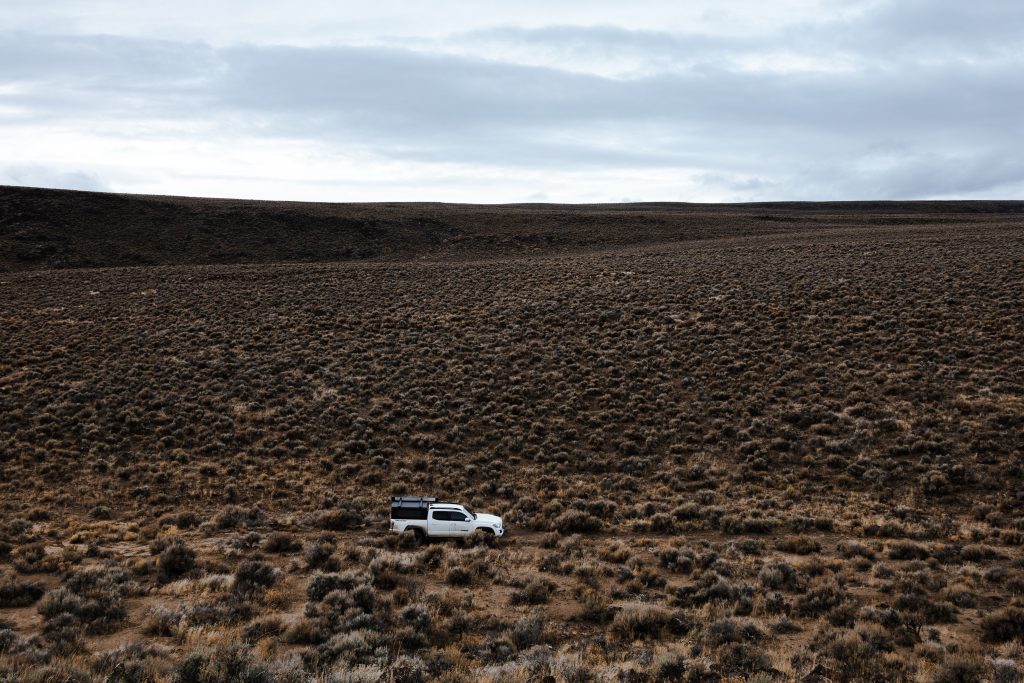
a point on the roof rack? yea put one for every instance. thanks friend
(411, 501)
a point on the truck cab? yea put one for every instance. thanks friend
(449, 521)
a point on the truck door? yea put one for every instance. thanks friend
(460, 524)
(439, 524)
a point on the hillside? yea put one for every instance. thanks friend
(774, 443)
(63, 229)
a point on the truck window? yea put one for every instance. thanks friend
(441, 515)
(408, 513)
(459, 517)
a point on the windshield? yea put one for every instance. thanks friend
(471, 513)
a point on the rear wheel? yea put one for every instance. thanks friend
(418, 536)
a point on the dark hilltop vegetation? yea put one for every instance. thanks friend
(777, 442)
(45, 229)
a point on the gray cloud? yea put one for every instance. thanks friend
(938, 30)
(930, 174)
(631, 49)
(34, 175)
(926, 101)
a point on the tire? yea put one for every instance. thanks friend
(418, 536)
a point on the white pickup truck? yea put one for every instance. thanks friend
(430, 518)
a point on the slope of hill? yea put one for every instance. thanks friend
(64, 229)
(770, 443)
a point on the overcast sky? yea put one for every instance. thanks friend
(488, 101)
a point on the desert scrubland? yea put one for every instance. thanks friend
(756, 442)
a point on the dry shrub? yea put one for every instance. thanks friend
(637, 621)
(724, 631)
(15, 593)
(162, 621)
(1004, 625)
(780, 576)
(680, 560)
(33, 559)
(229, 663)
(907, 550)
(535, 592)
(255, 575)
(961, 669)
(233, 517)
(264, 628)
(669, 666)
(596, 607)
(176, 560)
(979, 553)
(61, 609)
(820, 599)
(320, 584)
(798, 545)
(577, 522)
(458, 576)
(341, 519)
(849, 658)
(527, 631)
(321, 556)
(282, 542)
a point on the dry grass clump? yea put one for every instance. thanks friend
(175, 560)
(907, 550)
(638, 621)
(340, 519)
(65, 614)
(820, 598)
(677, 560)
(253, 576)
(280, 542)
(33, 559)
(162, 621)
(222, 664)
(320, 555)
(1004, 625)
(320, 584)
(960, 668)
(855, 656)
(458, 576)
(536, 591)
(89, 603)
(233, 517)
(781, 576)
(18, 593)
(798, 545)
(577, 522)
